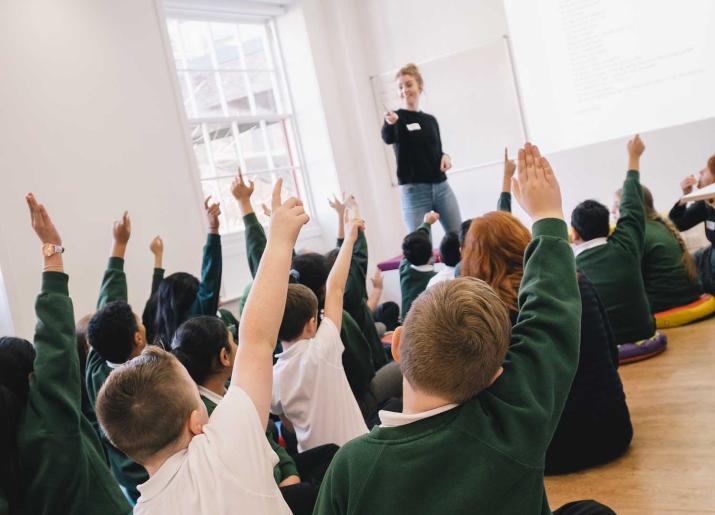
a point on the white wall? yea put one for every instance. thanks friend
(355, 39)
(91, 126)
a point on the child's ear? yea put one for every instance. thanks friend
(139, 341)
(224, 358)
(575, 236)
(196, 423)
(395, 348)
(499, 372)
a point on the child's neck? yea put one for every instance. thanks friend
(216, 384)
(307, 334)
(414, 401)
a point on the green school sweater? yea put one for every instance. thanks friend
(665, 277)
(358, 354)
(156, 277)
(355, 300)
(413, 282)
(615, 269)
(504, 202)
(62, 458)
(487, 454)
(129, 474)
(286, 466)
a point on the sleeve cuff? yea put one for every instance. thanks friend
(550, 227)
(213, 239)
(160, 271)
(116, 263)
(633, 174)
(55, 282)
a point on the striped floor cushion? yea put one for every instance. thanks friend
(701, 308)
(644, 349)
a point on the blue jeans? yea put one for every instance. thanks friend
(422, 197)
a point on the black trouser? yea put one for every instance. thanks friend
(705, 263)
(584, 508)
(312, 465)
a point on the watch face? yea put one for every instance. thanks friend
(48, 249)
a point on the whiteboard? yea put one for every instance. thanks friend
(474, 97)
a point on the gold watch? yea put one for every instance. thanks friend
(50, 249)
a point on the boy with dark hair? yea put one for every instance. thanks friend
(449, 255)
(312, 269)
(481, 400)
(310, 389)
(613, 263)
(416, 268)
(151, 408)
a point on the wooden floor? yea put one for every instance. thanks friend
(670, 467)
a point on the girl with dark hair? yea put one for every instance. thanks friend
(206, 348)
(181, 296)
(670, 276)
(52, 459)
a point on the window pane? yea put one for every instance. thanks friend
(254, 50)
(279, 148)
(232, 220)
(201, 94)
(235, 88)
(201, 152)
(262, 87)
(264, 188)
(195, 41)
(252, 147)
(226, 44)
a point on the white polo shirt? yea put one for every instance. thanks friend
(227, 469)
(311, 390)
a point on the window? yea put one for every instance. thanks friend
(238, 110)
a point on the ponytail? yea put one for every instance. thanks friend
(197, 345)
(17, 357)
(652, 214)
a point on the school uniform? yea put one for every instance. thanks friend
(62, 460)
(357, 358)
(687, 216)
(487, 454)
(127, 472)
(613, 265)
(446, 274)
(414, 278)
(310, 389)
(665, 277)
(226, 469)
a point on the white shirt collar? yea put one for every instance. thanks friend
(394, 419)
(423, 268)
(590, 244)
(212, 396)
(113, 365)
(159, 481)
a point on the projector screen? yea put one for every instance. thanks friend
(595, 70)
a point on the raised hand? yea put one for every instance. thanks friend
(287, 218)
(377, 280)
(122, 229)
(431, 217)
(688, 184)
(445, 163)
(213, 211)
(353, 227)
(266, 209)
(339, 205)
(536, 188)
(391, 117)
(242, 192)
(157, 248)
(509, 169)
(635, 151)
(41, 222)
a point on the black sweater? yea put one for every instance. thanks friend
(684, 217)
(418, 147)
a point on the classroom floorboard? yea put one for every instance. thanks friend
(670, 467)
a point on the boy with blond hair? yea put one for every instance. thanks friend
(481, 400)
(150, 408)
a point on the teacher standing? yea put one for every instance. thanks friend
(421, 163)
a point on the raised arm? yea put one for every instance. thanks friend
(211, 264)
(56, 375)
(504, 202)
(335, 285)
(157, 249)
(254, 233)
(114, 282)
(262, 315)
(543, 354)
(339, 206)
(377, 285)
(630, 228)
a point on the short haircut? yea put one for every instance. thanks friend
(590, 219)
(417, 248)
(142, 407)
(313, 272)
(449, 249)
(454, 339)
(111, 331)
(197, 345)
(301, 306)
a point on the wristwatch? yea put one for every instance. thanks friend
(50, 249)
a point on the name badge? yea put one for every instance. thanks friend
(710, 225)
(413, 127)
